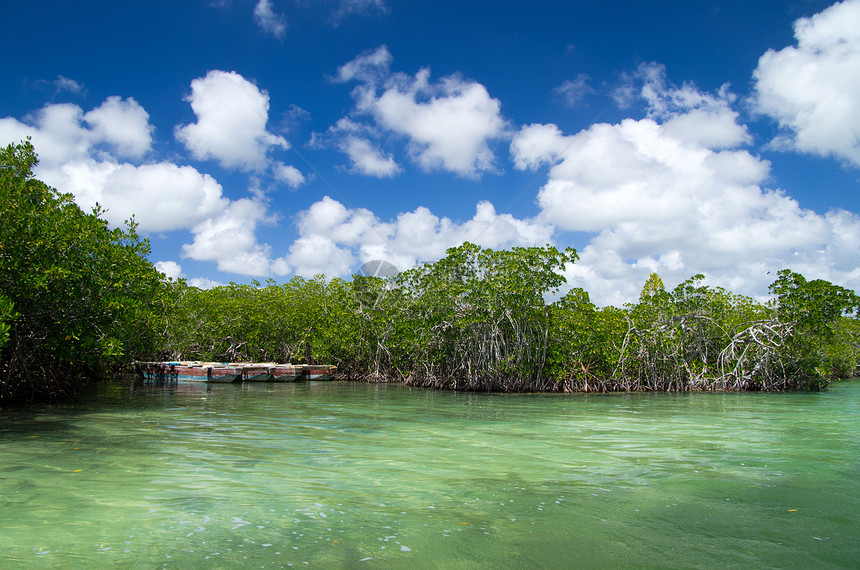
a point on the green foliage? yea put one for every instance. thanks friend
(824, 322)
(480, 319)
(477, 318)
(674, 337)
(585, 342)
(84, 295)
(815, 306)
(697, 337)
(302, 321)
(77, 298)
(7, 318)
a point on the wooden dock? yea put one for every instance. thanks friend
(233, 372)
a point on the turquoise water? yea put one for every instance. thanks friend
(347, 475)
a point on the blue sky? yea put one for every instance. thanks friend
(257, 139)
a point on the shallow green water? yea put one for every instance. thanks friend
(355, 475)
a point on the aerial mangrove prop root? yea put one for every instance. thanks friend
(755, 358)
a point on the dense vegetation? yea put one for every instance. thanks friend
(479, 320)
(78, 299)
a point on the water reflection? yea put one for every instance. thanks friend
(351, 475)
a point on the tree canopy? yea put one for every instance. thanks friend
(76, 296)
(480, 319)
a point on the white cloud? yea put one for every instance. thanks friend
(330, 218)
(269, 21)
(161, 196)
(448, 124)
(538, 144)
(315, 254)
(368, 159)
(813, 89)
(77, 149)
(450, 130)
(355, 140)
(673, 194)
(349, 7)
(346, 237)
(711, 129)
(59, 134)
(652, 175)
(65, 84)
(122, 123)
(55, 131)
(231, 122)
(625, 94)
(371, 66)
(290, 175)
(230, 240)
(690, 115)
(204, 283)
(171, 269)
(574, 91)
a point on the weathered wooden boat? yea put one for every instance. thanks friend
(256, 372)
(229, 372)
(224, 374)
(285, 373)
(154, 370)
(189, 371)
(317, 371)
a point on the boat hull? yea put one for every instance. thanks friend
(192, 373)
(285, 373)
(317, 371)
(189, 372)
(228, 373)
(256, 372)
(225, 374)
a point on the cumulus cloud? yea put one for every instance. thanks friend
(289, 175)
(268, 20)
(650, 176)
(448, 124)
(327, 230)
(370, 66)
(231, 122)
(538, 144)
(59, 135)
(673, 193)
(162, 196)
(368, 159)
(690, 115)
(230, 240)
(346, 237)
(813, 89)
(79, 154)
(355, 140)
(204, 283)
(122, 123)
(56, 132)
(171, 269)
(314, 255)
